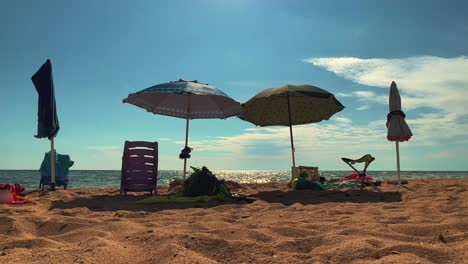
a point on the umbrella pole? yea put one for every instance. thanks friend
(398, 162)
(292, 146)
(291, 136)
(186, 135)
(186, 143)
(52, 165)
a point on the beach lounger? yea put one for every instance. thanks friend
(362, 179)
(139, 167)
(62, 167)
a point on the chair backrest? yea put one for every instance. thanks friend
(62, 165)
(139, 165)
(368, 159)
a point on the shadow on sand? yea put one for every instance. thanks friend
(114, 202)
(327, 196)
(109, 202)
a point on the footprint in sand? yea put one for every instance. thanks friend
(291, 232)
(217, 249)
(50, 228)
(375, 243)
(82, 236)
(7, 225)
(242, 235)
(415, 230)
(40, 242)
(300, 245)
(339, 212)
(425, 252)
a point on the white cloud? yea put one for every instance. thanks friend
(343, 120)
(438, 83)
(449, 153)
(104, 148)
(323, 143)
(363, 107)
(426, 81)
(369, 96)
(343, 94)
(260, 84)
(109, 151)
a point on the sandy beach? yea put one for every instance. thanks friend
(426, 222)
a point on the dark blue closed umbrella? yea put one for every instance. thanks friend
(48, 123)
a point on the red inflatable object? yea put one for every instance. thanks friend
(9, 193)
(355, 176)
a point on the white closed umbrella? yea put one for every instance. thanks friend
(398, 130)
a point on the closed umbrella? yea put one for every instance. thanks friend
(290, 105)
(398, 130)
(188, 100)
(48, 123)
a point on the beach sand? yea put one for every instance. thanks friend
(426, 222)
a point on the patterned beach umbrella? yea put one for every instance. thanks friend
(188, 100)
(290, 105)
(398, 130)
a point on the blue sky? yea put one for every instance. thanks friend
(103, 50)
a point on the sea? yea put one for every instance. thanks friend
(111, 178)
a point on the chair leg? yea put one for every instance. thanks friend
(375, 187)
(362, 184)
(348, 193)
(41, 183)
(378, 189)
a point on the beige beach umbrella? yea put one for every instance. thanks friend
(290, 105)
(188, 100)
(398, 130)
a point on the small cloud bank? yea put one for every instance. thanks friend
(440, 84)
(323, 142)
(425, 81)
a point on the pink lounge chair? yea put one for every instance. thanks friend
(139, 167)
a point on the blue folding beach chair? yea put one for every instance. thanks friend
(62, 166)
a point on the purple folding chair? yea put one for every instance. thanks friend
(139, 167)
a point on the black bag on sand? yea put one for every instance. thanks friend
(201, 182)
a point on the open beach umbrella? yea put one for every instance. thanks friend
(188, 100)
(290, 105)
(398, 130)
(48, 123)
